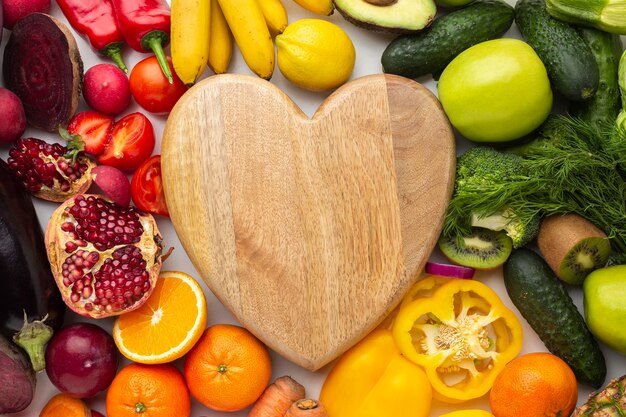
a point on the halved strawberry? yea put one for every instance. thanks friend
(89, 131)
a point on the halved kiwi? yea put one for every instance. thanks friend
(572, 246)
(483, 249)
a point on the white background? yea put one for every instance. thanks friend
(369, 47)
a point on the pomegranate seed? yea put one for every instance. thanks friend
(70, 247)
(87, 291)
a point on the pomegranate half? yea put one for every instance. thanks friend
(105, 258)
(47, 171)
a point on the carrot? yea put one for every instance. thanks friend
(277, 398)
(306, 408)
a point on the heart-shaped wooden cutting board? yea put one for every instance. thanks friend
(308, 230)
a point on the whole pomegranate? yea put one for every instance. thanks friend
(105, 258)
(47, 171)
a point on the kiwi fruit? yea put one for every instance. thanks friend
(572, 246)
(483, 249)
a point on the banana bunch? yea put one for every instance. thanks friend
(202, 32)
(199, 37)
(324, 7)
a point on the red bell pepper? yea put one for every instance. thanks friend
(95, 19)
(145, 25)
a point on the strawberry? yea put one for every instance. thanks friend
(88, 131)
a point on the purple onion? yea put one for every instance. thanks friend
(451, 271)
(81, 360)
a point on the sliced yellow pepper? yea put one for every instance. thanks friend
(462, 336)
(468, 413)
(373, 379)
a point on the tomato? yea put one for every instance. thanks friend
(496, 91)
(146, 187)
(150, 88)
(132, 142)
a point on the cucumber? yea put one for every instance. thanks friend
(571, 66)
(605, 105)
(432, 49)
(545, 304)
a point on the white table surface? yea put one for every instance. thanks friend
(369, 47)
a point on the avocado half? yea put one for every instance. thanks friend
(395, 16)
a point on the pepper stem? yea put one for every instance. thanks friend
(154, 41)
(114, 51)
(32, 338)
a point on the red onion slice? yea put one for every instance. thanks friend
(447, 270)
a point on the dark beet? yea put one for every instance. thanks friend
(18, 378)
(42, 66)
(81, 360)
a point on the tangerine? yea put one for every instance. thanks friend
(228, 369)
(534, 385)
(149, 391)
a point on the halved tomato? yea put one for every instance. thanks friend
(132, 142)
(146, 187)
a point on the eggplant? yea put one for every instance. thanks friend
(31, 307)
(18, 387)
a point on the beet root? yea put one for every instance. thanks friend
(43, 67)
(18, 387)
(13, 121)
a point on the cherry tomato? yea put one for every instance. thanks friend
(132, 142)
(151, 90)
(146, 187)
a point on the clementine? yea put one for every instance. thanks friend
(228, 369)
(534, 385)
(62, 405)
(149, 391)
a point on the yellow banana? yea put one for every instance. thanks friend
(250, 31)
(190, 38)
(324, 7)
(221, 41)
(275, 15)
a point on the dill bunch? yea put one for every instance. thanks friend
(572, 166)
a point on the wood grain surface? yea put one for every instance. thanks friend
(308, 230)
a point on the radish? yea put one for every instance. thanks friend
(113, 183)
(106, 89)
(14, 10)
(13, 120)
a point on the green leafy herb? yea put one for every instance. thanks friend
(573, 166)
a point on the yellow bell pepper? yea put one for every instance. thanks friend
(468, 413)
(462, 336)
(373, 379)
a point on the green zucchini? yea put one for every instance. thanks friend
(605, 15)
(546, 305)
(571, 66)
(432, 49)
(605, 105)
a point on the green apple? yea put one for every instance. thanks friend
(496, 91)
(604, 302)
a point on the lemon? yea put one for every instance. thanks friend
(315, 54)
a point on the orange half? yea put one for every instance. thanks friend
(168, 325)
